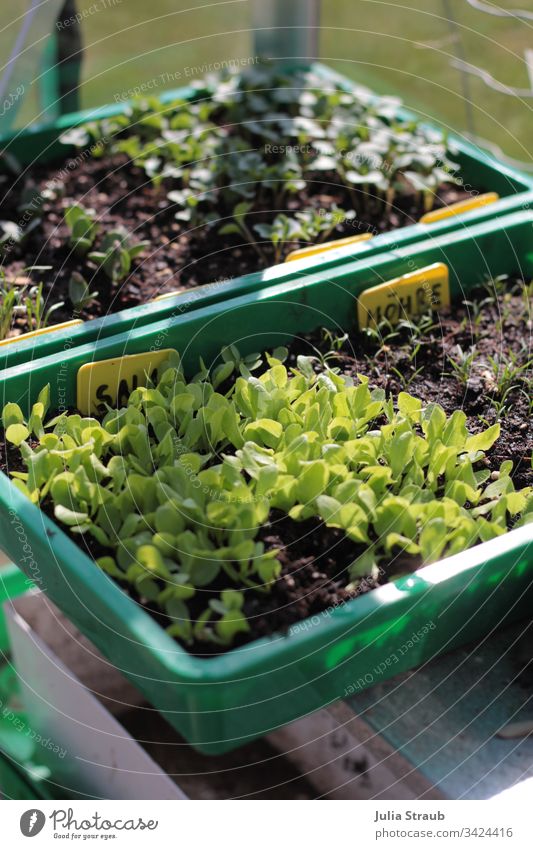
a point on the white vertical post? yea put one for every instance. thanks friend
(286, 29)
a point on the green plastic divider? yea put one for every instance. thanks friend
(16, 748)
(15, 783)
(219, 703)
(477, 167)
(13, 583)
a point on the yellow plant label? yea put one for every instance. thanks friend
(66, 325)
(460, 206)
(405, 297)
(168, 295)
(312, 250)
(112, 381)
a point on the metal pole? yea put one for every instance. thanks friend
(69, 58)
(286, 29)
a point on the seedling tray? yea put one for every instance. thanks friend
(478, 169)
(219, 703)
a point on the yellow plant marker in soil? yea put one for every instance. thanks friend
(170, 295)
(405, 297)
(460, 206)
(112, 381)
(66, 325)
(312, 250)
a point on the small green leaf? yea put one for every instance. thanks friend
(433, 540)
(69, 517)
(230, 625)
(44, 399)
(177, 609)
(230, 229)
(483, 441)
(328, 508)
(17, 433)
(108, 564)
(151, 559)
(433, 421)
(312, 482)
(409, 406)
(265, 432)
(12, 414)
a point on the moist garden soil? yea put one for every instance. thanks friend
(314, 558)
(121, 195)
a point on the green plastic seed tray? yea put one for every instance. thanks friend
(15, 782)
(13, 583)
(219, 703)
(477, 168)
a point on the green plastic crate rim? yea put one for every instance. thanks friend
(220, 703)
(17, 783)
(15, 779)
(41, 144)
(13, 583)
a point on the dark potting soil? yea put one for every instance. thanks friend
(177, 259)
(314, 558)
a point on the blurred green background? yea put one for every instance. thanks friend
(409, 49)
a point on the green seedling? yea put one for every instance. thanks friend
(383, 335)
(233, 361)
(462, 364)
(19, 299)
(508, 372)
(79, 292)
(9, 300)
(281, 232)
(308, 227)
(82, 228)
(116, 254)
(38, 314)
(495, 288)
(407, 378)
(239, 227)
